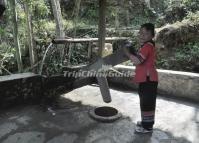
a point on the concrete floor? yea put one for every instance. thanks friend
(176, 121)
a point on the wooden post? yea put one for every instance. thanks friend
(70, 53)
(102, 26)
(89, 51)
(127, 18)
(117, 23)
(102, 81)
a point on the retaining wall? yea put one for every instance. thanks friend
(171, 83)
(18, 88)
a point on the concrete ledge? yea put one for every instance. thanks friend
(171, 83)
(16, 76)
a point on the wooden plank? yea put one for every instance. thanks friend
(81, 40)
(89, 51)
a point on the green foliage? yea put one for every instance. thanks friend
(193, 17)
(90, 13)
(162, 63)
(40, 8)
(192, 5)
(86, 26)
(185, 58)
(56, 58)
(160, 5)
(7, 60)
(188, 53)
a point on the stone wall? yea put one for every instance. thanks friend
(30, 88)
(19, 88)
(171, 83)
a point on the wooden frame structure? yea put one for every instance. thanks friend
(101, 32)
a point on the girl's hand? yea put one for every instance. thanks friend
(135, 60)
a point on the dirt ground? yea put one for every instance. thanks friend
(176, 121)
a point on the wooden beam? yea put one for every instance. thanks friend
(102, 26)
(81, 40)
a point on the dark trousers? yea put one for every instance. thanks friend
(147, 94)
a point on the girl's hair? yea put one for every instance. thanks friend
(149, 27)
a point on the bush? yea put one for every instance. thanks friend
(185, 58)
(193, 17)
(7, 60)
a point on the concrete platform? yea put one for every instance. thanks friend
(176, 121)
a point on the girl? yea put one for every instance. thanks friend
(146, 76)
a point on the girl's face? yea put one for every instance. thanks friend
(144, 35)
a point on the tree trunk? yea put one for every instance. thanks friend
(58, 18)
(117, 23)
(148, 2)
(127, 18)
(102, 26)
(59, 25)
(15, 33)
(29, 32)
